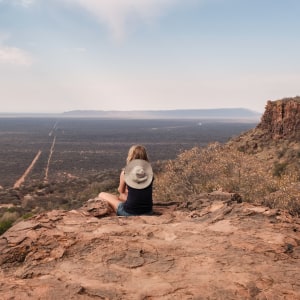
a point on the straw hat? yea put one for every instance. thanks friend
(138, 174)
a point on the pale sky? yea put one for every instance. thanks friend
(62, 55)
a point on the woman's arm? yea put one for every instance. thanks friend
(122, 189)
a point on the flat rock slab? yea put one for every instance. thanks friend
(223, 250)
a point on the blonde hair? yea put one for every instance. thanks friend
(137, 152)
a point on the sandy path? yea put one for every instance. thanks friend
(49, 158)
(23, 177)
(53, 129)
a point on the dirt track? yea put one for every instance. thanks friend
(49, 158)
(23, 177)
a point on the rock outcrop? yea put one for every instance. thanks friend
(281, 119)
(276, 139)
(210, 247)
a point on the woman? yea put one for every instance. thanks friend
(135, 187)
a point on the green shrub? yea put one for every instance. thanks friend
(5, 225)
(27, 216)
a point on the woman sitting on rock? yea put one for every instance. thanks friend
(135, 187)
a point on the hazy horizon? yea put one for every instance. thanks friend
(125, 55)
(205, 110)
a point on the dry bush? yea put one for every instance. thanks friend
(9, 216)
(287, 197)
(220, 167)
(7, 220)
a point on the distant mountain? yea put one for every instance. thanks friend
(220, 113)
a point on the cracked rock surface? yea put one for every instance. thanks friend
(212, 247)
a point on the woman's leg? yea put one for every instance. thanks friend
(111, 199)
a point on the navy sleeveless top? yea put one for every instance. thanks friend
(139, 201)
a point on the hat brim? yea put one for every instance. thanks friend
(147, 169)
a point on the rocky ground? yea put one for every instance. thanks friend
(211, 247)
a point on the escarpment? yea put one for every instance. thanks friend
(277, 136)
(281, 119)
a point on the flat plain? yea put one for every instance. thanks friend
(80, 147)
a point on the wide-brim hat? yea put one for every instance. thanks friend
(138, 174)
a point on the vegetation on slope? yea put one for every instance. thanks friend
(224, 167)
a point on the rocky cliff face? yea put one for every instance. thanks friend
(282, 119)
(277, 137)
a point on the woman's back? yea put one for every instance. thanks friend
(139, 201)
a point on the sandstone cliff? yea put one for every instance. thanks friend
(211, 247)
(276, 139)
(282, 119)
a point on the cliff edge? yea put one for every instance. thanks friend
(213, 247)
